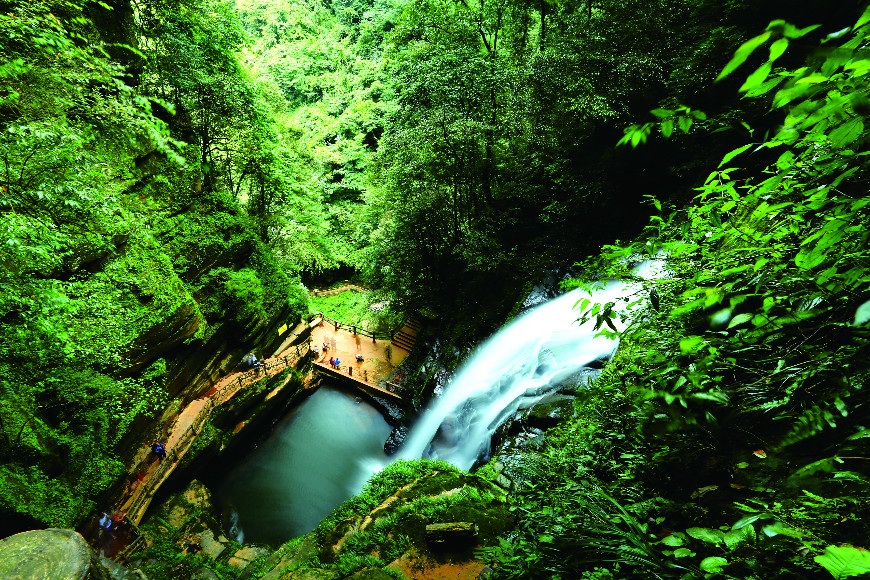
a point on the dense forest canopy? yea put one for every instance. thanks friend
(174, 170)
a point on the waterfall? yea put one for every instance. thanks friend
(515, 367)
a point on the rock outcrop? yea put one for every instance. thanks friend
(52, 554)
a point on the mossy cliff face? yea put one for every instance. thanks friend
(116, 325)
(379, 534)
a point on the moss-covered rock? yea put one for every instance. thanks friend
(51, 554)
(383, 529)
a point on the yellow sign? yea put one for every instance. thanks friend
(282, 330)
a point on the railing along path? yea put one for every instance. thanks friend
(145, 491)
(354, 329)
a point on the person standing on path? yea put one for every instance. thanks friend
(106, 522)
(332, 342)
(159, 450)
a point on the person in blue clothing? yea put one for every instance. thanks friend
(106, 522)
(159, 450)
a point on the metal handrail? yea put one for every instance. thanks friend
(390, 335)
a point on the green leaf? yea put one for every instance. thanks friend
(673, 540)
(683, 553)
(713, 564)
(742, 53)
(691, 344)
(860, 434)
(742, 522)
(708, 535)
(684, 123)
(864, 19)
(844, 561)
(779, 528)
(811, 80)
(847, 133)
(777, 48)
(756, 78)
(662, 113)
(740, 319)
(732, 154)
(667, 127)
(735, 538)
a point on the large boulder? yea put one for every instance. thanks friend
(51, 554)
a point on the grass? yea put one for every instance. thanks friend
(354, 308)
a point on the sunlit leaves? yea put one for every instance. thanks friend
(845, 561)
(742, 53)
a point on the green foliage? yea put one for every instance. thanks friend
(109, 224)
(356, 308)
(845, 561)
(167, 560)
(382, 485)
(740, 386)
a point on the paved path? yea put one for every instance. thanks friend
(376, 367)
(178, 438)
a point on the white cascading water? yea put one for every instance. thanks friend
(516, 367)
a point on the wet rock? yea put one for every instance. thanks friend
(246, 555)
(578, 381)
(188, 518)
(503, 481)
(536, 442)
(311, 574)
(213, 543)
(287, 559)
(204, 573)
(550, 412)
(394, 441)
(51, 554)
(195, 499)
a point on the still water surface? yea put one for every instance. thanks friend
(321, 454)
